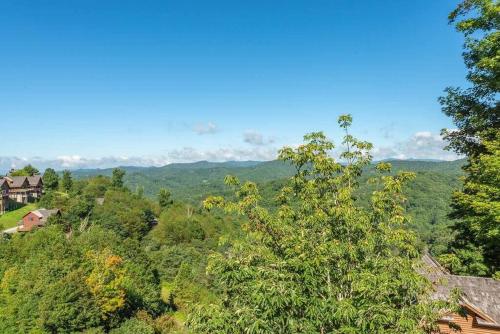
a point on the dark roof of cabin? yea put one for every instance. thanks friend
(479, 292)
(16, 181)
(34, 180)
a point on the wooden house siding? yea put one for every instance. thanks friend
(468, 325)
(36, 218)
(4, 196)
(30, 221)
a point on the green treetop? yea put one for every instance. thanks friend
(475, 111)
(320, 262)
(164, 199)
(117, 178)
(27, 170)
(67, 181)
(50, 179)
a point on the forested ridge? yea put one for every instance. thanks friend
(194, 181)
(429, 195)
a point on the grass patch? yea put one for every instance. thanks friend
(10, 218)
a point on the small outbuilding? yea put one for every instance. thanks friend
(36, 218)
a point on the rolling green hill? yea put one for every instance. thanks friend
(192, 181)
(428, 195)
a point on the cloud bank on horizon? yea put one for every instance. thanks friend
(421, 145)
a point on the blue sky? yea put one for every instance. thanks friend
(94, 83)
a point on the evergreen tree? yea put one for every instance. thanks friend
(67, 181)
(320, 263)
(50, 179)
(117, 178)
(475, 111)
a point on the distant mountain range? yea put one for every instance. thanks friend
(190, 181)
(6, 163)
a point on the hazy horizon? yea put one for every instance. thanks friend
(107, 164)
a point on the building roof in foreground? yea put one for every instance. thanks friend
(478, 293)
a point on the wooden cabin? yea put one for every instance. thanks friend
(24, 189)
(480, 300)
(36, 218)
(18, 188)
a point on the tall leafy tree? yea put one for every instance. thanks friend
(320, 262)
(124, 213)
(50, 179)
(67, 180)
(117, 177)
(105, 282)
(475, 111)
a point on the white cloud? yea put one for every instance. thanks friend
(69, 161)
(253, 137)
(189, 154)
(186, 154)
(76, 162)
(205, 129)
(422, 145)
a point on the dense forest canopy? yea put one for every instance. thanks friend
(429, 194)
(194, 181)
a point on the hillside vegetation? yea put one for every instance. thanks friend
(135, 263)
(428, 195)
(193, 181)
